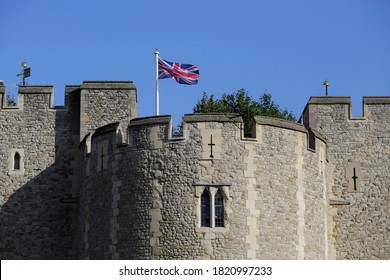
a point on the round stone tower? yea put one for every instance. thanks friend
(210, 194)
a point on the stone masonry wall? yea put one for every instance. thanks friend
(130, 190)
(100, 103)
(33, 222)
(39, 201)
(360, 145)
(106, 102)
(273, 187)
(96, 201)
(290, 193)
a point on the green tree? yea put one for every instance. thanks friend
(11, 100)
(241, 103)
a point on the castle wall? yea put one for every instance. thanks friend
(34, 224)
(105, 102)
(273, 187)
(95, 201)
(39, 198)
(358, 153)
(130, 190)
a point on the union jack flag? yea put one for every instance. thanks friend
(182, 73)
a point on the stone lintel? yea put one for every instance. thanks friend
(338, 202)
(212, 185)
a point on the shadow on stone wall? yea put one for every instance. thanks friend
(34, 224)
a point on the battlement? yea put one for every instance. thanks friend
(343, 104)
(331, 109)
(347, 100)
(34, 91)
(156, 132)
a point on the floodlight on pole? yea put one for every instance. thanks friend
(26, 72)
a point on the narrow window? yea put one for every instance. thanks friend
(205, 209)
(17, 161)
(219, 209)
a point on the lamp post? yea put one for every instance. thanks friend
(26, 72)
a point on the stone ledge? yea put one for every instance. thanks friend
(165, 119)
(376, 99)
(108, 85)
(318, 135)
(280, 123)
(213, 117)
(106, 129)
(329, 100)
(38, 89)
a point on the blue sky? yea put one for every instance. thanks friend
(287, 48)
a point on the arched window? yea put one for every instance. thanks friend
(17, 161)
(219, 209)
(205, 209)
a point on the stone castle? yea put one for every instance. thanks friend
(90, 180)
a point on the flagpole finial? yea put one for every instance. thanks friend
(156, 52)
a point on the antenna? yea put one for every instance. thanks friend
(26, 72)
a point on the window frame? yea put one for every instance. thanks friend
(16, 154)
(16, 161)
(212, 190)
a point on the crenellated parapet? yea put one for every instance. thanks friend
(31, 98)
(91, 105)
(207, 137)
(321, 109)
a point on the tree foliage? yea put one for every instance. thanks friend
(11, 100)
(241, 103)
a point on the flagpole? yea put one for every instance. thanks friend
(157, 93)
